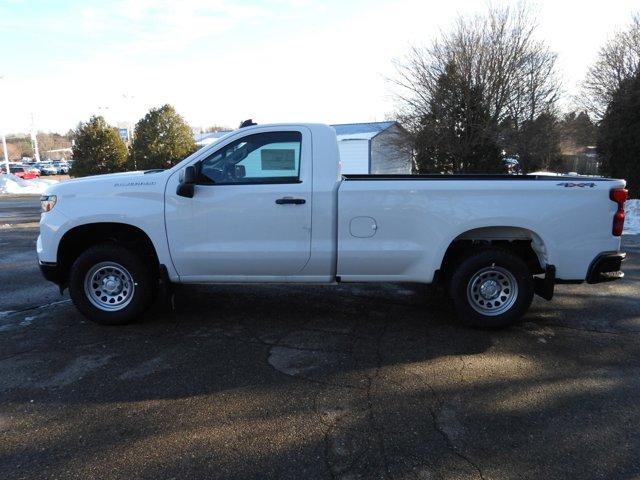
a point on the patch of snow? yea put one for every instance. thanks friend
(147, 368)
(12, 185)
(632, 217)
(27, 321)
(551, 174)
(76, 370)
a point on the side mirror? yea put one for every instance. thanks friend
(190, 175)
(187, 185)
(241, 172)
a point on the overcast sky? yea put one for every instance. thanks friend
(220, 61)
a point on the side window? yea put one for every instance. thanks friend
(272, 157)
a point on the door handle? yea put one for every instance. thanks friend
(290, 201)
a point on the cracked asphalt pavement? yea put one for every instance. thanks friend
(314, 382)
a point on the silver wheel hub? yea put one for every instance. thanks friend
(109, 286)
(492, 290)
(489, 289)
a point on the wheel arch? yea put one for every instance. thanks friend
(77, 239)
(524, 242)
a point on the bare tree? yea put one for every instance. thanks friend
(497, 53)
(618, 60)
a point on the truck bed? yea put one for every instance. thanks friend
(582, 178)
(399, 227)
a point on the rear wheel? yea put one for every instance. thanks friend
(111, 285)
(491, 288)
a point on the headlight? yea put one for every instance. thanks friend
(47, 202)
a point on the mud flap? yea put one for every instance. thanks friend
(165, 288)
(543, 287)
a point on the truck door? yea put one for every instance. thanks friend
(250, 215)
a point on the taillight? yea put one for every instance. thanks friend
(618, 195)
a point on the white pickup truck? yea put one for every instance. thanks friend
(268, 204)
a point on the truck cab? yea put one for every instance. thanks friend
(261, 208)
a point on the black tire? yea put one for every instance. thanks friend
(139, 297)
(499, 304)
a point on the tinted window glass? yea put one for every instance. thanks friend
(272, 157)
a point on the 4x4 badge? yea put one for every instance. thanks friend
(581, 185)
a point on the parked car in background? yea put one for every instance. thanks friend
(61, 167)
(47, 169)
(32, 168)
(22, 172)
(512, 166)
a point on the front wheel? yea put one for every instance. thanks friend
(110, 284)
(491, 288)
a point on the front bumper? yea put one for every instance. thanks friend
(606, 267)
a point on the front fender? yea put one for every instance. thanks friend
(143, 210)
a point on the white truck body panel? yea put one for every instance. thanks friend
(416, 221)
(352, 229)
(131, 198)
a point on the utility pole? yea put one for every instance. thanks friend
(4, 146)
(131, 127)
(34, 139)
(6, 154)
(129, 99)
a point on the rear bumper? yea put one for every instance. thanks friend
(606, 267)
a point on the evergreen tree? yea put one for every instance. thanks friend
(578, 129)
(534, 142)
(457, 134)
(619, 135)
(539, 143)
(98, 149)
(161, 139)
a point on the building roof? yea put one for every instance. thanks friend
(360, 131)
(344, 131)
(203, 139)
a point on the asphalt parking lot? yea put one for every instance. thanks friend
(311, 382)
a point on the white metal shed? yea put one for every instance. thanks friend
(375, 147)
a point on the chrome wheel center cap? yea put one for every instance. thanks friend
(111, 284)
(489, 289)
